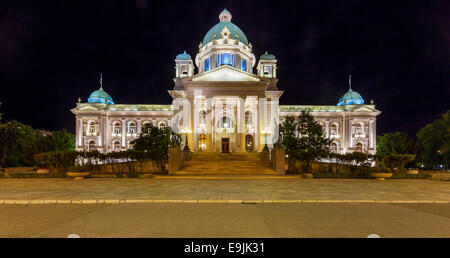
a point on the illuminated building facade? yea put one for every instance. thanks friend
(225, 106)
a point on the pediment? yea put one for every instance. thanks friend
(87, 108)
(226, 73)
(363, 109)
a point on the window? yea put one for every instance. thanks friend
(184, 69)
(244, 65)
(225, 122)
(207, 64)
(117, 146)
(334, 129)
(92, 145)
(225, 59)
(132, 128)
(117, 128)
(202, 142)
(248, 117)
(92, 128)
(359, 147)
(267, 70)
(359, 129)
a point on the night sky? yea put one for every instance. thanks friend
(52, 52)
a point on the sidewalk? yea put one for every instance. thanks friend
(106, 190)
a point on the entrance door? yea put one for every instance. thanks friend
(225, 145)
(249, 142)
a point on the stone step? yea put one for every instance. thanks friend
(204, 163)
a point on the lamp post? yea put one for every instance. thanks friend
(265, 132)
(186, 131)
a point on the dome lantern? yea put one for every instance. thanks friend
(225, 16)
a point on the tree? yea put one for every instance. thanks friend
(395, 143)
(58, 141)
(434, 142)
(17, 144)
(304, 140)
(156, 142)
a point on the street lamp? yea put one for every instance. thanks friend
(265, 132)
(186, 131)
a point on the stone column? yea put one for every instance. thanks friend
(371, 133)
(100, 132)
(139, 126)
(327, 128)
(350, 132)
(124, 128)
(374, 134)
(79, 131)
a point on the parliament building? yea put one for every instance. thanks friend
(226, 106)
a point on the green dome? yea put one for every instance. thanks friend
(184, 56)
(267, 56)
(100, 96)
(225, 21)
(351, 98)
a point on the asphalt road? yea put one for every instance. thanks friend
(226, 220)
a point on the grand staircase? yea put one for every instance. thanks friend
(212, 163)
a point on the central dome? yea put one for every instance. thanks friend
(225, 21)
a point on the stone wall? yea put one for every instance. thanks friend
(18, 169)
(148, 166)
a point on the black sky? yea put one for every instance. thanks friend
(52, 52)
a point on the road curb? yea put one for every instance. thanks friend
(226, 177)
(206, 201)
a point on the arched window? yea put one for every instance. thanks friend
(359, 147)
(206, 64)
(92, 128)
(334, 130)
(116, 146)
(132, 128)
(92, 145)
(117, 128)
(333, 147)
(225, 122)
(244, 65)
(359, 129)
(248, 117)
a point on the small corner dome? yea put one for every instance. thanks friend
(267, 56)
(225, 21)
(100, 96)
(351, 98)
(184, 56)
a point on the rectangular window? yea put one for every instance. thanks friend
(244, 65)
(232, 60)
(267, 70)
(225, 59)
(207, 64)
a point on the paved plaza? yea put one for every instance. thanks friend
(225, 189)
(226, 220)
